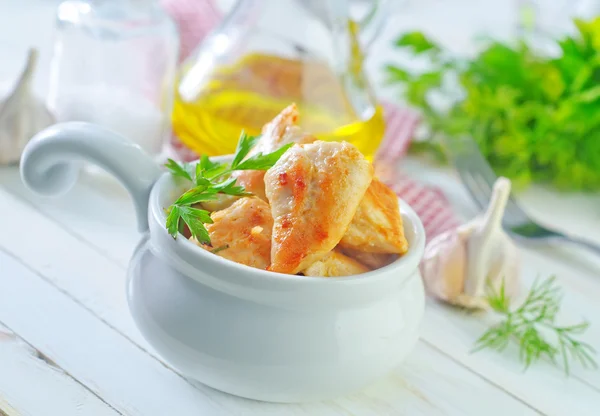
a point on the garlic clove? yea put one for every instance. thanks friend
(457, 264)
(22, 115)
(444, 264)
(487, 242)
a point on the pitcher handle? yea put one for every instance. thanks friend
(373, 22)
(49, 162)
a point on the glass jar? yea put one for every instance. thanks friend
(267, 54)
(114, 64)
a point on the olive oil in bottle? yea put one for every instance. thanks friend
(248, 94)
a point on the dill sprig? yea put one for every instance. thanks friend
(533, 327)
(209, 179)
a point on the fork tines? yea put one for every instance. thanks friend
(478, 177)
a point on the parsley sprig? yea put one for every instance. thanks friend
(533, 326)
(209, 179)
(535, 115)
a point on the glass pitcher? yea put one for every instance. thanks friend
(267, 54)
(114, 64)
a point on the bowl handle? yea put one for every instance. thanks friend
(49, 163)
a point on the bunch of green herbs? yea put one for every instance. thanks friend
(535, 117)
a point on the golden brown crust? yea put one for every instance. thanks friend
(244, 229)
(377, 225)
(314, 191)
(253, 181)
(275, 129)
(278, 132)
(335, 264)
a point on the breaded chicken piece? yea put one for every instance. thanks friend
(335, 264)
(377, 225)
(278, 132)
(253, 181)
(371, 260)
(314, 191)
(242, 233)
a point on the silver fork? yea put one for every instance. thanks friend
(478, 177)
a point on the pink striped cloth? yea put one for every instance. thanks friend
(195, 18)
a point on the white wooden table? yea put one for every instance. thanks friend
(68, 345)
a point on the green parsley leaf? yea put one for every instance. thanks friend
(395, 74)
(202, 181)
(245, 144)
(263, 162)
(228, 187)
(536, 117)
(199, 175)
(206, 168)
(417, 42)
(201, 214)
(207, 164)
(211, 179)
(195, 195)
(178, 170)
(195, 220)
(173, 220)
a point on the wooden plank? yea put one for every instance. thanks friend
(111, 206)
(66, 260)
(99, 358)
(442, 386)
(542, 386)
(99, 289)
(97, 211)
(31, 385)
(6, 409)
(135, 384)
(577, 270)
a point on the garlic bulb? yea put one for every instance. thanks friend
(22, 115)
(457, 264)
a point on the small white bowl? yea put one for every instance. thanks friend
(244, 331)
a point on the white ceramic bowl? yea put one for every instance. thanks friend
(248, 332)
